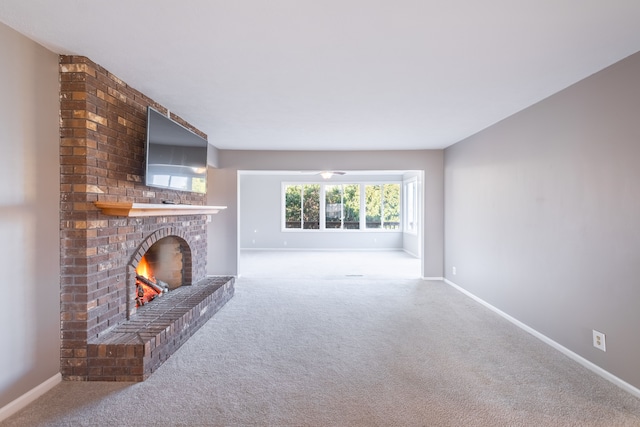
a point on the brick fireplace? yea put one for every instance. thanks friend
(102, 143)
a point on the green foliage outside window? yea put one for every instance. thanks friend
(391, 206)
(293, 206)
(333, 206)
(373, 205)
(342, 206)
(351, 202)
(311, 206)
(383, 206)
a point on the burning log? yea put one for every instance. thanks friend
(157, 288)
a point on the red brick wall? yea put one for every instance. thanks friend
(102, 148)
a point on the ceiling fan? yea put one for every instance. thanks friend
(329, 174)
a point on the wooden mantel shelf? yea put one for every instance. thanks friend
(149, 209)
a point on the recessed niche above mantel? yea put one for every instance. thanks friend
(149, 209)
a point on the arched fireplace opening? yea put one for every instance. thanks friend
(161, 264)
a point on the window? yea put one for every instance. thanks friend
(373, 204)
(391, 206)
(302, 206)
(410, 208)
(383, 206)
(311, 206)
(293, 206)
(333, 206)
(342, 206)
(351, 203)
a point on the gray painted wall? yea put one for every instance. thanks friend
(261, 220)
(222, 235)
(223, 185)
(212, 156)
(29, 220)
(542, 217)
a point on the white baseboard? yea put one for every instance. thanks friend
(562, 349)
(410, 253)
(29, 397)
(432, 278)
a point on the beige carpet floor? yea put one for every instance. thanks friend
(348, 349)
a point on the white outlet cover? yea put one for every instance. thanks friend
(599, 340)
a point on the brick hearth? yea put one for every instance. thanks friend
(102, 146)
(135, 348)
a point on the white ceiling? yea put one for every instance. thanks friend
(338, 74)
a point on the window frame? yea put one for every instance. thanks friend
(406, 209)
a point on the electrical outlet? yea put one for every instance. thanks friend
(454, 271)
(598, 340)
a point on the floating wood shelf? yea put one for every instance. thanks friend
(148, 209)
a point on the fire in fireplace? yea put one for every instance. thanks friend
(159, 270)
(148, 287)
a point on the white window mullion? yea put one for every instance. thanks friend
(302, 207)
(382, 206)
(363, 208)
(341, 206)
(323, 204)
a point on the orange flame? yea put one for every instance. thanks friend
(145, 270)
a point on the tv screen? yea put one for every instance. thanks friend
(176, 157)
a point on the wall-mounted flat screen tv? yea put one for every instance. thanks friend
(176, 157)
